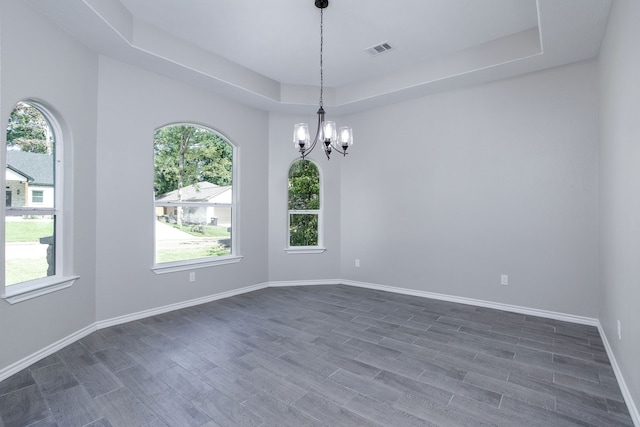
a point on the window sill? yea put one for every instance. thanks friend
(17, 293)
(172, 267)
(306, 250)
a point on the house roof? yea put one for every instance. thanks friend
(200, 192)
(37, 166)
(19, 173)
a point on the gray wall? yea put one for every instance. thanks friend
(619, 178)
(38, 61)
(446, 193)
(132, 104)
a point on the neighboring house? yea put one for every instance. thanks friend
(29, 178)
(203, 192)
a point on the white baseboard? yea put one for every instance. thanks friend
(101, 324)
(631, 406)
(41, 354)
(305, 283)
(479, 303)
(18, 366)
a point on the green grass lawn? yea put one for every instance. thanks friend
(209, 230)
(182, 254)
(22, 270)
(28, 230)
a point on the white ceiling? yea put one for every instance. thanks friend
(266, 54)
(280, 39)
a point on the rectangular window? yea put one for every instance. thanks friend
(29, 248)
(303, 229)
(37, 196)
(192, 231)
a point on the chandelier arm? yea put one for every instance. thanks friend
(336, 148)
(317, 138)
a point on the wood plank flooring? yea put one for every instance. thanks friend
(323, 355)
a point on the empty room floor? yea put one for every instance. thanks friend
(323, 355)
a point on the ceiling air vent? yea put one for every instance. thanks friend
(378, 49)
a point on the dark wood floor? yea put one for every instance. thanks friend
(323, 355)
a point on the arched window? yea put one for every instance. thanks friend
(304, 203)
(33, 208)
(194, 197)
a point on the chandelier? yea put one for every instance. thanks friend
(332, 139)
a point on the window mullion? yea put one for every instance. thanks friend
(305, 211)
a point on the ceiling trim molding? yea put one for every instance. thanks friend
(561, 37)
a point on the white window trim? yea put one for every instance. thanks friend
(234, 257)
(319, 248)
(305, 250)
(193, 264)
(34, 288)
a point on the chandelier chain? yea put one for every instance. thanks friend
(321, 51)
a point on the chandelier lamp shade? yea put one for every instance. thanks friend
(330, 137)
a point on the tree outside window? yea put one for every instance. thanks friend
(304, 204)
(29, 130)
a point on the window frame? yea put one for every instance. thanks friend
(33, 288)
(40, 195)
(197, 263)
(319, 248)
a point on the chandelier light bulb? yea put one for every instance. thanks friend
(345, 137)
(329, 131)
(301, 135)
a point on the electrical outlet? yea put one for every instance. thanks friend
(619, 330)
(504, 279)
(192, 276)
(357, 262)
